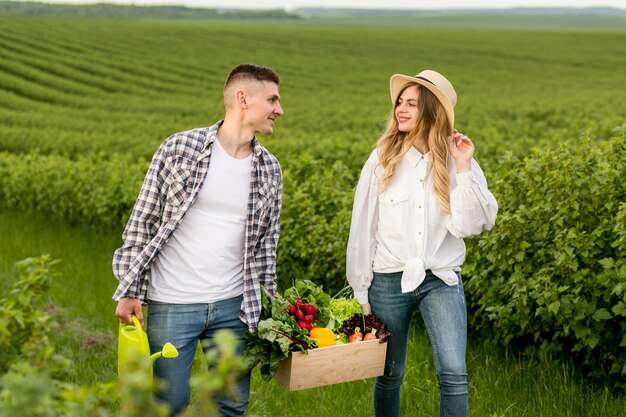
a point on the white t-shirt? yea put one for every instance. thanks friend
(203, 260)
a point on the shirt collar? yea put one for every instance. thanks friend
(212, 137)
(414, 157)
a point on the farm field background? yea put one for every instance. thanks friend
(85, 103)
(79, 87)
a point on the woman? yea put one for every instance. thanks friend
(420, 193)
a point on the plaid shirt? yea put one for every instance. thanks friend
(175, 176)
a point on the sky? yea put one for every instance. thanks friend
(373, 4)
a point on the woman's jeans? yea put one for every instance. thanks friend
(442, 308)
(184, 325)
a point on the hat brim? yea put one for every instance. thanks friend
(397, 81)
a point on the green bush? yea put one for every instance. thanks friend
(551, 275)
(32, 377)
(315, 222)
(24, 325)
(95, 189)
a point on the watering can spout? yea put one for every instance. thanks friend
(169, 352)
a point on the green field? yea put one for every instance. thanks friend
(79, 86)
(85, 103)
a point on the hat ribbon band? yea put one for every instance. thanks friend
(427, 80)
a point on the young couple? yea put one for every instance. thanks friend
(201, 239)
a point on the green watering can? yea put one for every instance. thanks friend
(133, 341)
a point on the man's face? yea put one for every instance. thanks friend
(263, 107)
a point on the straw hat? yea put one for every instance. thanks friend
(432, 80)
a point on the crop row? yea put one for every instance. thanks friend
(125, 86)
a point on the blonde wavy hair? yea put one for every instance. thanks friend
(432, 125)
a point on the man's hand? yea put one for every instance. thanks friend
(126, 307)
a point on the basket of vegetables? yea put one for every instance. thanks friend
(306, 339)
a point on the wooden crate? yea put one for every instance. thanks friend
(332, 365)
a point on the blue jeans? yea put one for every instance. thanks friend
(184, 325)
(442, 308)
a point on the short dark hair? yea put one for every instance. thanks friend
(251, 71)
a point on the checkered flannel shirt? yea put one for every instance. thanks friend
(171, 185)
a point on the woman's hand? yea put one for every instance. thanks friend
(367, 309)
(462, 150)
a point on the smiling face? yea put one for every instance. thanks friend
(406, 111)
(262, 107)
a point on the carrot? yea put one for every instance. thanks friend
(371, 335)
(357, 336)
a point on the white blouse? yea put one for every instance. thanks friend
(405, 229)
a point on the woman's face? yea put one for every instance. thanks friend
(406, 109)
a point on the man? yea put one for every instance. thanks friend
(201, 239)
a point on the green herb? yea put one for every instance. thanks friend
(309, 292)
(341, 309)
(277, 335)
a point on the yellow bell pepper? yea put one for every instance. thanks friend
(321, 332)
(323, 341)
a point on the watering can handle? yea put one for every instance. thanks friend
(136, 322)
(138, 327)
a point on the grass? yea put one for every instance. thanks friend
(499, 384)
(80, 299)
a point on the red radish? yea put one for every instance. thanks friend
(299, 314)
(303, 325)
(292, 309)
(308, 318)
(309, 309)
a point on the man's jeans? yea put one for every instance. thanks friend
(184, 325)
(442, 308)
